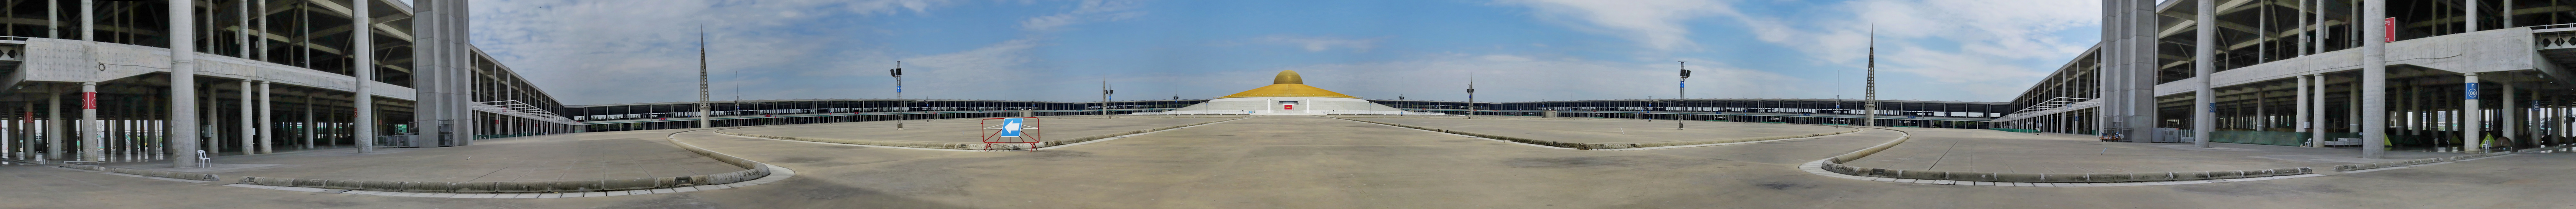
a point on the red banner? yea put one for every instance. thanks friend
(2390, 29)
(89, 100)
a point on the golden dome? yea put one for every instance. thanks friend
(1288, 84)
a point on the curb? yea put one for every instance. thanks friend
(968, 146)
(1614, 146)
(1833, 167)
(754, 173)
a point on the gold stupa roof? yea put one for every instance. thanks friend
(1288, 84)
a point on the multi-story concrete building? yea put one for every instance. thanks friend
(98, 80)
(2438, 75)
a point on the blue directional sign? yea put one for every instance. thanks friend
(1010, 127)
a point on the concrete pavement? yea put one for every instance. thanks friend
(1314, 162)
(557, 157)
(2009, 152)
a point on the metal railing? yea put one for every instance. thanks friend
(516, 108)
(398, 141)
(2052, 106)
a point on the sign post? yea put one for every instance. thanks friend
(1022, 130)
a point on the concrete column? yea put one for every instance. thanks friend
(2509, 123)
(2320, 27)
(430, 76)
(11, 148)
(263, 28)
(2472, 16)
(2316, 126)
(365, 65)
(88, 22)
(53, 28)
(183, 84)
(241, 32)
(249, 123)
(93, 137)
(308, 124)
(54, 125)
(2203, 114)
(2471, 120)
(2304, 28)
(267, 126)
(214, 143)
(2374, 79)
(2304, 110)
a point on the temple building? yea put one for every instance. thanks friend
(1288, 94)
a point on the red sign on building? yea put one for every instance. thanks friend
(2389, 27)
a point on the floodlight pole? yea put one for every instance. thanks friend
(1681, 90)
(1104, 97)
(898, 96)
(1471, 96)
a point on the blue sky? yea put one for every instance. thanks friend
(606, 52)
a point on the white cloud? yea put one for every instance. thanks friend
(1992, 38)
(1317, 43)
(602, 52)
(1656, 24)
(1507, 77)
(1087, 10)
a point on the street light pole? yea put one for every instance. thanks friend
(1681, 90)
(898, 95)
(1471, 96)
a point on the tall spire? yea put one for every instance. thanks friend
(702, 78)
(1870, 107)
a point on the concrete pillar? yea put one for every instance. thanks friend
(54, 125)
(430, 69)
(2471, 120)
(2302, 120)
(2304, 27)
(308, 124)
(93, 137)
(214, 143)
(88, 22)
(2511, 121)
(249, 123)
(241, 35)
(10, 148)
(2204, 113)
(2374, 79)
(364, 37)
(2316, 125)
(2319, 26)
(263, 29)
(53, 28)
(183, 84)
(267, 127)
(2472, 16)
